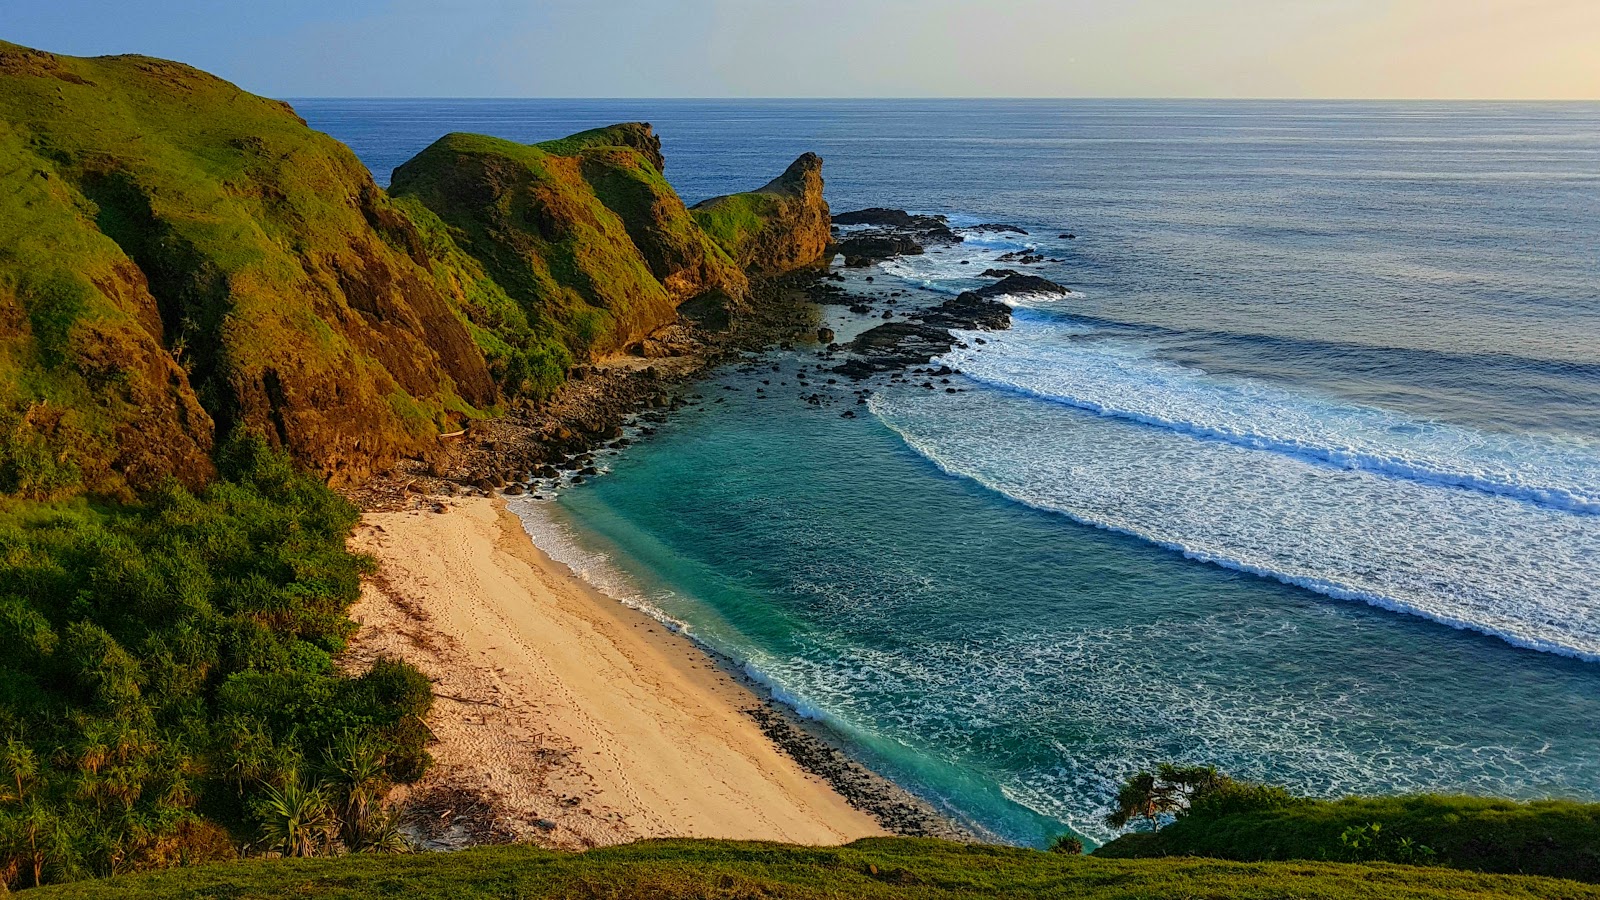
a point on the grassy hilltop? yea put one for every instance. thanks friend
(209, 311)
(179, 258)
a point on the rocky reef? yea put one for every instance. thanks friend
(893, 346)
(179, 258)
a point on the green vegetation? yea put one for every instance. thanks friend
(736, 221)
(178, 256)
(167, 674)
(584, 235)
(783, 226)
(878, 867)
(1214, 816)
(525, 355)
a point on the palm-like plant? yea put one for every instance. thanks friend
(1142, 796)
(356, 772)
(296, 819)
(19, 767)
(381, 833)
(1168, 791)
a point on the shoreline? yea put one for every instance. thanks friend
(609, 404)
(567, 718)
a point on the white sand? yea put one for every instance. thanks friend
(563, 705)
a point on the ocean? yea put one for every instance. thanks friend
(1303, 480)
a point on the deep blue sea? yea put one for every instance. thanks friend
(1304, 480)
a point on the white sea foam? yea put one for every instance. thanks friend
(1050, 361)
(1488, 562)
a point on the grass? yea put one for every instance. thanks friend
(172, 246)
(872, 868)
(736, 221)
(1549, 837)
(583, 233)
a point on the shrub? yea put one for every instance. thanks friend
(166, 668)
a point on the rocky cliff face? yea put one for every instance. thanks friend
(782, 227)
(583, 233)
(179, 258)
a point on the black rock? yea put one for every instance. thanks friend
(1021, 284)
(878, 245)
(998, 228)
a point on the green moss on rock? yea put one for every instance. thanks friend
(782, 227)
(583, 233)
(179, 257)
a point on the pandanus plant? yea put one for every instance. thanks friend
(296, 819)
(1168, 791)
(358, 776)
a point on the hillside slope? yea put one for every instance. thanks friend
(584, 233)
(780, 227)
(179, 258)
(876, 867)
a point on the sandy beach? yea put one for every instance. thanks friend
(562, 716)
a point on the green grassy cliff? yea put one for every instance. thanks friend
(778, 228)
(179, 258)
(583, 233)
(1549, 837)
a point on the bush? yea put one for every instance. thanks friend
(164, 664)
(1254, 822)
(1067, 844)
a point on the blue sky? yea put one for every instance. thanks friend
(839, 48)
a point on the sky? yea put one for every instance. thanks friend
(1452, 49)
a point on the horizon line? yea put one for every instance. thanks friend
(838, 99)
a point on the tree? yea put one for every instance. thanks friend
(1168, 791)
(355, 766)
(1067, 845)
(18, 769)
(1142, 796)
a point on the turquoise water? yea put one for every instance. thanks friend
(1303, 482)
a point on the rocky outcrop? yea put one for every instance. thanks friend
(780, 228)
(865, 249)
(585, 236)
(179, 259)
(929, 229)
(1015, 285)
(893, 346)
(169, 281)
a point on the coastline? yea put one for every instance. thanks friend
(566, 718)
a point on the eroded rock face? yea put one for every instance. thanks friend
(178, 282)
(163, 284)
(780, 228)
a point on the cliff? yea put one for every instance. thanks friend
(781, 227)
(179, 258)
(583, 233)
